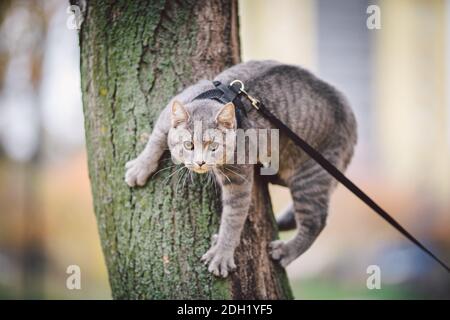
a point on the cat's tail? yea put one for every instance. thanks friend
(286, 221)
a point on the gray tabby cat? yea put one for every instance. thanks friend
(310, 107)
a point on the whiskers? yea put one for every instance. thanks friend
(224, 174)
(236, 173)
(183, 178)
(212, 181)
(183, 175)
(232, 172)
(163, 169)
(173, 173)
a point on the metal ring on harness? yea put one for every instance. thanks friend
(240, 82)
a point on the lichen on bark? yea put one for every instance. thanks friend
(135, 55)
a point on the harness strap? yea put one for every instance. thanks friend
(339, 176)
(225, 94)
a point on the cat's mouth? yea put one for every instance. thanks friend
(198, 169)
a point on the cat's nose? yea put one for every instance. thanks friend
(200, 163)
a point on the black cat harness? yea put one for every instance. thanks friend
(236, 90)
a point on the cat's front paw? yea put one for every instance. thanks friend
(138, 172)
(279, 250)
(221, 261)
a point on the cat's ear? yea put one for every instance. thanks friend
(226, 116)
(179, 114)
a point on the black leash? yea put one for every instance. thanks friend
(232, 93)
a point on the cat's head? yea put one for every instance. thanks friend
(202, 134)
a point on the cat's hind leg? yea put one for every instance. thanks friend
(310, 186)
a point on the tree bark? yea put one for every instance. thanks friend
(135, 55)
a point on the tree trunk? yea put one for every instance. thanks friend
(135, 55)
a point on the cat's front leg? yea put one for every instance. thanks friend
(236, 182)
(139, 169)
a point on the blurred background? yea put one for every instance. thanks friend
(397, 79)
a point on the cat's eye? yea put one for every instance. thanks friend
(213, 146)
(188, 145)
